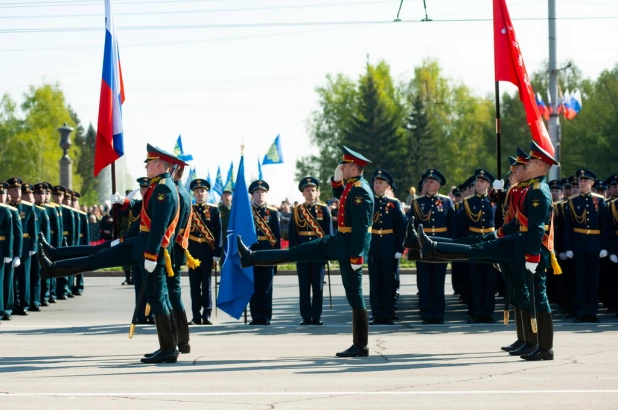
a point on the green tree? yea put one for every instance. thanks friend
(421, 145)
(85, 165)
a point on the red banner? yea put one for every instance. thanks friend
(509, 66)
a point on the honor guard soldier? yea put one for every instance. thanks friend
(478, 219)
(204, 245)
(225, 208)
(349, 245)
(599, 187)
(387, 235)
(82, 238)
(152, 248)
(57, 233)
(268, 234)
(554, 282)
(586, 242)
(29, 243)
(63, 292)
(9, 267)
(6, 242)
(122, 213)
(310, 220)
(436, 212)
(39, 195)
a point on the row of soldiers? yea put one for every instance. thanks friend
(27, 211)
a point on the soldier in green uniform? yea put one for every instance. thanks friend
(54, 198)
(61, 195)
(38, 191)
(6, 241)
(349, 245)
(76, 283)
(151, 248)
(524, 243)
(29, 222)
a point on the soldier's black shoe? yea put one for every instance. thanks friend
(50, 269)
(426, 321)
(317, 322)
(593, 319)
(305, 322)
(47, 249)
(195, 322)
(513, 346)
(35, 309)
(52, 300)
(7, 317)
(388, 322)
(580, 319)
(62, 297)
(78, 293)
(425, 244)
(44, 303)
(167, 352)
(473, 319)
(375, 321)
(411, 240)
(182, 331)
(70, 295)
(355, 351)
(20, 312)
(539, 354)
(206, 322)
(525, 349)
(435, 322)
(245, 253)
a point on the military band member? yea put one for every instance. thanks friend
(436, 212)
(268, 232)
(205, 242)
(29, 222)
(478, 219)
(388, 231)
(586, 242)
(6, 242)
(349, 245)
(309, 221)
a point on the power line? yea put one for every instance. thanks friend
(90, 3)
(284, 24)
(240, 9)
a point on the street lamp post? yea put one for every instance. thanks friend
(66, 165)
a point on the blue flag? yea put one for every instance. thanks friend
(179, 152)
(191, 177)
(274, 154)
(229, 183)
(216, 190)
(208, 179)
(260, 169)
(236, 286)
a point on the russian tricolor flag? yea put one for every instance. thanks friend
(109, 145)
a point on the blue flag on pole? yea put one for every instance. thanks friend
(208, 179)
(179, 152)
(192, 175)
(229, 183)
(216, 190)
(260, 169)
(236, 286)
(274, 155)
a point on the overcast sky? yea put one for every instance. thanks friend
(255, 79)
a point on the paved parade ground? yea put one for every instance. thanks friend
(77, 354)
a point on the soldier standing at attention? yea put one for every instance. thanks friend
(349, 245)
(268, 234)
(38, 192)
(437, 213)
(310, 220)
(6, 241)
(585, 227)
(82, 238)
(388, 232)
(224, 210)
(29, 222)
(204, 245)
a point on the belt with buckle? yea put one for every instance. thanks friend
(196, 239)
(587, 231)
(381, 231)
(481, 230)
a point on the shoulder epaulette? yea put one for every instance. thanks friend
(536, 185)
(597, 195)
(272, 208)
(468, 197)
(444, 196)
(11, 207)
(322, 204)
(67, 207)
(573, 196)
(81, 212)
(358, 184)
(213, 206)
(162, 181)
(27, 203)
(40, 207)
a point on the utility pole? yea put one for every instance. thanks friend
(554, 120)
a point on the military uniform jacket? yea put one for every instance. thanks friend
(6, 232)
(206, 231)
(477, 214)
(42, 221)
(159, 217)
(134, 211)
(585, 223)
(84, 230)
(308, 222)
(267, 228)
(28, 223)
(179, 257)
(355, 216)
(558, 208)
(68, 224)
(17, 232)
(55, 224)
(533, 218)
(437, 215)
(612, 214)
(388, 229)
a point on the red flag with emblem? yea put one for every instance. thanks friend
(509, 66)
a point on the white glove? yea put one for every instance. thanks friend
(116, 198)
(338, 174)
(30, 253)
(562, 256)
(149, 265)
(398, 255)
(499, 184)
(8, 260)
(603, 253)
(531, 266)
(16, 262)
(569, 254)
(496, 234)
(135, 191)
(612, 258)
(114, 242)
(356, 267)
(215, 259)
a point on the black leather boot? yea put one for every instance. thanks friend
(445, 251)
(411, 241)
(167, 352)
(360, 335)
(183, 331)
(260, 258)
(545, 350)
(175, 330)
(520, 333)
(529, 337)
(61, 269)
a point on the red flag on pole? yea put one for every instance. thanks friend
(509, 66)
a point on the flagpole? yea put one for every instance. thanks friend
(114, 207)
(498, 141)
